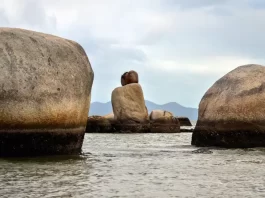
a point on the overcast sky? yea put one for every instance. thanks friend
(178, 47)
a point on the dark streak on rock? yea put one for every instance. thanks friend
(232, 134)
(253, 91)
(40, 143)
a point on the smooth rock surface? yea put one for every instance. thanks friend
(129, 78)
(157, 114)
(232, 111)
(128, 103)
(44, 94)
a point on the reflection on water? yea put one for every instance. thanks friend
(137, 165)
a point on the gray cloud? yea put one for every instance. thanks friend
(28, 14)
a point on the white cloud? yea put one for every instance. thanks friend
(209, 65)
(184, 43)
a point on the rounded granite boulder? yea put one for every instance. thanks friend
(128, 103)
(44, 94)
(232, 111)
(129, 78)
(130, 112)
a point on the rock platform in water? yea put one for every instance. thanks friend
(184, 121)
(100, 124)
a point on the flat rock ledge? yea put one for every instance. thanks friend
(98, 124)
(184, 121)
(229, 135)
(161, 125)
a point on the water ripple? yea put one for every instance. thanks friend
(137, 165)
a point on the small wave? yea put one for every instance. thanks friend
(202, 151)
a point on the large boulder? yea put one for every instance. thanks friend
(163, 122)
(232, 111)
(128, 103)
(44, 94)
(129, 108)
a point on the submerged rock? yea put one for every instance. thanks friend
(44, 94)
(232, 111)
(202, 151)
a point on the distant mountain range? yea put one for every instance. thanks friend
(98, 108)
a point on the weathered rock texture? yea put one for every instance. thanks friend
(129, 109)
(128, 103)
(184, 121)
(129, 78)
(163, 122)
(99, 124)
(232, 111)
(44, 94)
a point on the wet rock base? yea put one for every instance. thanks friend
(23, 144)
(184, 121)
(170, 125)
(229, 135)
(98, 124)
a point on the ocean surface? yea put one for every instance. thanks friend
(138, 165)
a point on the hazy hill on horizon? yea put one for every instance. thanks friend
(98, 108)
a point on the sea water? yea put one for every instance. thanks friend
(137, 165)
